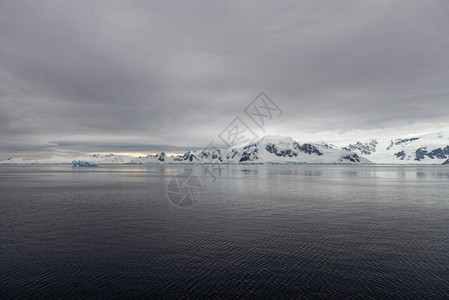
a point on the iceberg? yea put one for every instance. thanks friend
(82, 163)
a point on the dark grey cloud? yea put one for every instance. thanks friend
(137, 75)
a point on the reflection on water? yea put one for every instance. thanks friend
(276, 231)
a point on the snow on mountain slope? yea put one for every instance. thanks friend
(12, 161)
(367, 148)
(269, 149)
(277, 149)
(432, 148)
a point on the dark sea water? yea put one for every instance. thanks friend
(368, 232)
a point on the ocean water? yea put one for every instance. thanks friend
(255, 232)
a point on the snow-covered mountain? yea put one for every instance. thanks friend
(11, 160)
(269, 149)
(432, 148)
(277, 149)
(363, 148)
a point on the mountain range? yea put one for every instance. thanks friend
(430, 148)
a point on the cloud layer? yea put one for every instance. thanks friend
(88, 76)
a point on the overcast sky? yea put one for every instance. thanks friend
(144, 76)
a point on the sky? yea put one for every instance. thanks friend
(146, 76)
